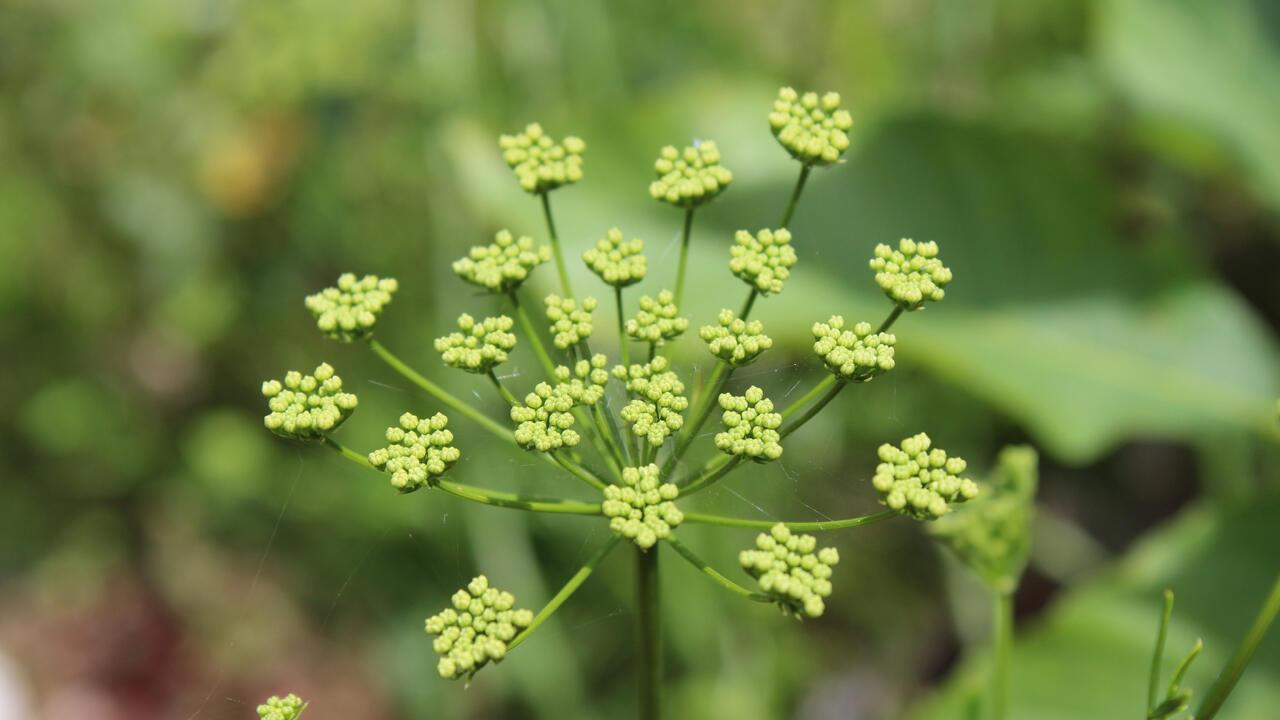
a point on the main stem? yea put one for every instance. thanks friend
(649, 645)
(1002, 650)
(795, 195)
(1234, 668)
(555, 244)
(684, 254)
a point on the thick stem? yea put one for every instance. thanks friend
(712, 573)
(795, 195)
(574, 583)
(1234, 668)
(746, 306)
(810, 526)
(1002, 651)
(814, 410)
(649, 640)
(888, 322)
(555, 245)
(684, 255)
(622, 327)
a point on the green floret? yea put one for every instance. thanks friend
(350, 310)
(657, 321)
(502, 265)
(919, 482)
(658, 399)
(619, 263)
(541, 164)
(689, 178)
(751, 426)
(419, 451)
(570, 320)
(911, 275)
(789, 571)
(855, 355)
(307, 407)
(763, 260)
(641, 509)
(735, 341)
(814, 130)
(289, 707)
(476, 629)
(545, 419)
(480, 347)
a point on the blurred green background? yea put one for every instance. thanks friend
(175, 175)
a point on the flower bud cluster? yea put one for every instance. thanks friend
(641, 509)
(751, 426)
(288, 707)
(654, 411)
(814, 130)
(689, 178)
(657, 320)
(545, 419)
(350, 310)
(480, 347)
(476, 629)
(541, 164)
(763, 260)
(917, 481)
(419, 450)
(570, 320)
(789, 570)
(912, 274)
(735, 341)
(503, 265)
(585, 382)
(619, 263)
(306, 407)
(856, 355)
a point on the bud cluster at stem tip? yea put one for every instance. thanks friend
(618, 263)
(735, 341)
(654, 411)
(657, 321)
(763, 260)
(502, 265)
(854, 354)
(789, 570)
(541, 164)
(419, 450)
(921, 482)
(751, 426)
(690, 177)
(641, 509)
(288, 707)
(814, 130)
(480, 347)
(570, 320)
(545, 419)
(349, 311)
(306, 407)
(911, 275)
(476, 629)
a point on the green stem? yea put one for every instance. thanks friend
(579, 471)
(1234, 668)
(817, 390)
(712, 573)
(555, 245)
(702, 410)
(814, 410)
(649, 637)
(712, 472)
(502, 390)
(517, 502)
(795, 195)
(888, 322)
(439, 393)
(526, 324)
(1002, 651)
(853, 522)
(751, 300)
(1153, 684)
(574, 583)
(684, 254)
(349, 454)
(622, 328)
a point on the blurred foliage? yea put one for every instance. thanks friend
(176, 176)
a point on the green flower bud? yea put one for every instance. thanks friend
(917, 481)
(911, 275)
(289, 707)
(814, 130)
(689, 178)
(418, 451)
(570, 322)
(503, 265)
(307, 407)
(540, 164)
(617, 262)
(764, 260)
(735, 341)
(658, 399)
(657, 321)
(350, 310)
(751, 426)
(480, 347)
(476, 629)
(856, 355)
(787, 569)
(585, 382)
(992, 534)
(641, 508)
(545, 419)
